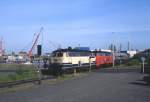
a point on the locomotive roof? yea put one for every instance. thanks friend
(101, 52)
(77, 50)
(70, 50)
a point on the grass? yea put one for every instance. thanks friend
(22, 72)
(19, 75)
(29, 86)
(15, 66)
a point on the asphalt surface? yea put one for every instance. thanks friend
(100, 86)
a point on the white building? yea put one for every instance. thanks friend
(131, 53)
(105, 50)
(11, 58)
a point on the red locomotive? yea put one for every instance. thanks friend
(103, 58)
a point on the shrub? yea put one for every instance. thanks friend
(133, 62)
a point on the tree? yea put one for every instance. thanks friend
(69, 48)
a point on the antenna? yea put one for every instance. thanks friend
(128, 46)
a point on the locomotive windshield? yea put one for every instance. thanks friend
(57, 54)
(104, 54)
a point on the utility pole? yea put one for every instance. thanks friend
(113, 52)
(113, 55)
(90, 63)
(128, 46)
(120, 48)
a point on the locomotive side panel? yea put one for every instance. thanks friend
(71, 59)
(103, 58)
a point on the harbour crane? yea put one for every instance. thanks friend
(30, 53)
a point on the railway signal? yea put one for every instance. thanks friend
(143, 63)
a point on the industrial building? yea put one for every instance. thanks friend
(145, 53)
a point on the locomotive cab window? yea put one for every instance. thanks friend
(60, 54)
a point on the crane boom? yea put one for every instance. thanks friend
(35, 42)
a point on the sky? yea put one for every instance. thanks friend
(93, 23)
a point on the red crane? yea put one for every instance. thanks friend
(35, 43)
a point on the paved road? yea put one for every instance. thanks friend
(97, 87)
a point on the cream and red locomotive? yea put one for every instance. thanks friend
(71, 58)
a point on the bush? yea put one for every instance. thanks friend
(133, 62)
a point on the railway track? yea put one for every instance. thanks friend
(11, 84)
